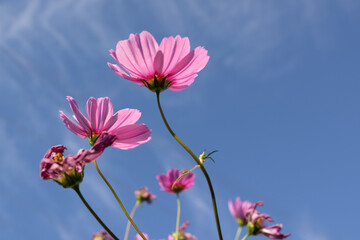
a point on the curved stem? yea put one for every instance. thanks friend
(197, 161)
(238, 232)
(177, 216)
(246, 236)
(77, 190)
(132, 216)
(119, 201)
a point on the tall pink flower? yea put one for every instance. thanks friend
(68, 171)
(143, 194)
(166, 181)
(158, 67)
(101, 118)
(241, 210)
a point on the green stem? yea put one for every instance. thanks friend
(137, 204)
(177, 217)
(119, 201)
(238, 232)
(197, 161)
(77, 190)
(246, 236)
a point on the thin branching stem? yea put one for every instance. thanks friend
(197, 161)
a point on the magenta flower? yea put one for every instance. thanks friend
(68, 171)
(102, 235)
(241, 210)
(101, 118)
(142, 194)
(256, 225)
(182, 234)
(138, 237)
(171, 65)
(166, 181)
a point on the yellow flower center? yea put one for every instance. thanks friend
(157, 83)
(58, 157)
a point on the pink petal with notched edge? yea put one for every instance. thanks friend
(148, 48)
(196, 60)
(82, 120)
(122, 118)
(91, 110)
(173, 174)
(158, 62)
(104, 112)
(126, 60)
(72, 126)
(188, 180)
(134, 52)
(122, 74)
(131, 136)
(164, 182)
(113, 54)
(179, 85)
(174, 50)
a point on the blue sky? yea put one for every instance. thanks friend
(279, 99)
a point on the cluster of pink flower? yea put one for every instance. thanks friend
(170, 65)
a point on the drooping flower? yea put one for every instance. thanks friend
(138, 237)
(182, 234)
(257, 225)
(171, 65)
(241, 210)
(101, 118)
(68, 171)
(102, 235)
(142, 194)
(167, 181)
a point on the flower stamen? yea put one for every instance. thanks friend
(58, 157)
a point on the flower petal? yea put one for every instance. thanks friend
(91, 108)
(179, 85)
(158, 63)
(174, 50)
(122, 74)
(190, 64)
(131, 136)
(104, 112)
(126, 59)
(73, 127)
(148, 47)
(122, 118)
(83, 121)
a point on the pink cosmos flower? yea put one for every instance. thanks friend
(142, 194)
(241, 210)
(256, 225)
(68, 171)
(138, 237)
(183, 235)
(171, 65)
(102, 235)
(101, 118)
(166, 181)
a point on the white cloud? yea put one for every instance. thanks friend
(308, 229)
